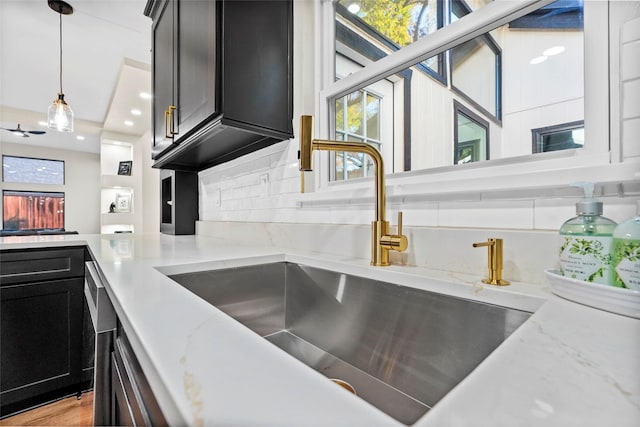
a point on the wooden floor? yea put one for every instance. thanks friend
(65, 412)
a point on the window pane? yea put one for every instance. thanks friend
(340, 114)
(361, 106)
(373, 117)
(471, 143)
(355, 165)
(401, 22)
(31, 210)
(339, 166)
(375, 28)
(559, 137)
(354, 112)
(32, 171)
(473, 61)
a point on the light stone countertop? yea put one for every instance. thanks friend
(567, 365)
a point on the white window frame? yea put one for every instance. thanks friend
(599, 161)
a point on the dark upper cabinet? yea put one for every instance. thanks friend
(163, 75)
(227, 68)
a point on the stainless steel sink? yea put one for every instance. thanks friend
(402, 349)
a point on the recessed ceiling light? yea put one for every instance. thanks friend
(136, 112)
(354, 8)
(553, 51)
(145, 95)
(538, 60)
(128, 123)
(80, 137)
(42, 123)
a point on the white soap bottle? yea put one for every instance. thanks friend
(626, 253)
(586, 241)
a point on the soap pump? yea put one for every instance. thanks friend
(586, 240)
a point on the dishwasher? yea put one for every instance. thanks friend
(104, 321)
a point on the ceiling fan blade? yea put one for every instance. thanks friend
(12, 130)
(36, 132)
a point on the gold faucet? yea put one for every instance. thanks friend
(381, 240)
(495, 261)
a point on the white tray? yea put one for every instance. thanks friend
(609, 298)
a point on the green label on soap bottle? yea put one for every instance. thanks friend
(586, 258)
(626, 262)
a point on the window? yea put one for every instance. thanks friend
(366, 33)
(559, 137)
(392, 24)
(479, 56)
(471, 135)
(366, 115)
(511, 91)
(32, 210)
(32, 171)
(357, 119)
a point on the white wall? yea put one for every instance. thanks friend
(81, 188)
(150, 186)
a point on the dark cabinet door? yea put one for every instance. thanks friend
(257, 63)
(164, 70)
(41, 338)
(196, 58)
(88, 345)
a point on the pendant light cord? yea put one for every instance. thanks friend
(60, 14)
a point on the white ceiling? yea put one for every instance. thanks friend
(106, 57)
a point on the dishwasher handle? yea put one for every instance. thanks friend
(103, 316)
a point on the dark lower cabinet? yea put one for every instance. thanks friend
(133, 402)
(41, 329)
(48, 343)
(41, 338)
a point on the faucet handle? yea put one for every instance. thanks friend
(397, 242)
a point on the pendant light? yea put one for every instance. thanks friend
(60, 115)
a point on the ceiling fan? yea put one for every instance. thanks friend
(24, 133)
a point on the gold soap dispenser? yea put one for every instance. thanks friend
(494, 261)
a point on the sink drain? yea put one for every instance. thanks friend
(344, 385)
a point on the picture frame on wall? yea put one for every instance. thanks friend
(123, 202)
(124, 168)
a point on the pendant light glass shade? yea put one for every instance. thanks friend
(60, 115)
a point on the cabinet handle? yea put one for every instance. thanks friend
(167, 114)
(172, 108)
